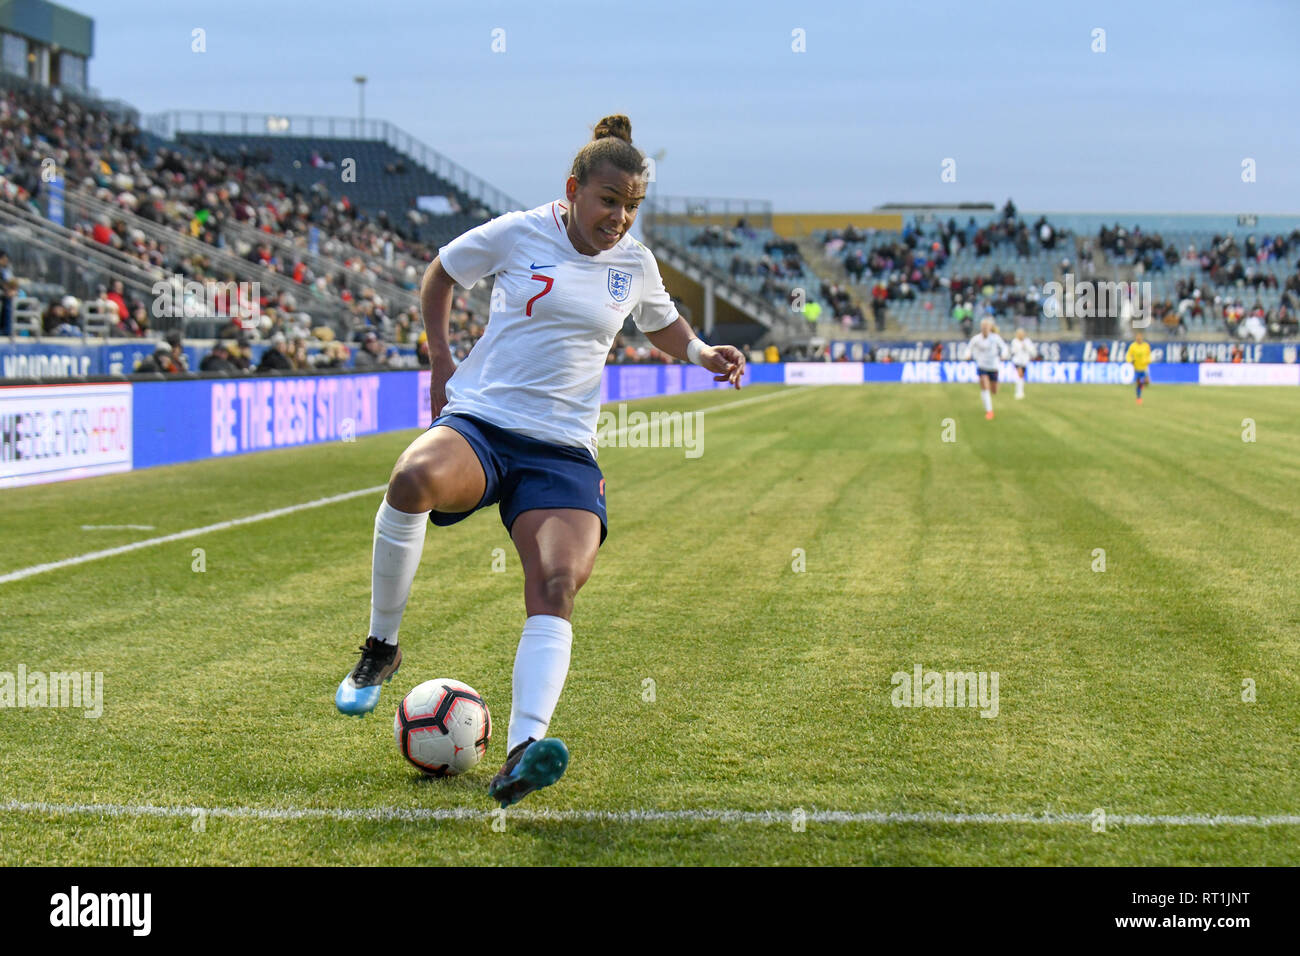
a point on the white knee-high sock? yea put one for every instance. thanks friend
(541, 665)
(988, 400)
(399, 542)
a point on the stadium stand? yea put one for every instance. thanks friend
(943, 276)
(139, 212)
(387, 184)
(940, 277)
(688, 233)
(334, 256)
(1208, 280)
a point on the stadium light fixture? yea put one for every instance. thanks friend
(360, 81)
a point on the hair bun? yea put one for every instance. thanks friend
(618, 126)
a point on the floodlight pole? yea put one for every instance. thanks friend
(361, 99)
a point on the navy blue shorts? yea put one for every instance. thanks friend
(525, 473)
(1142, 377)
(993, 375)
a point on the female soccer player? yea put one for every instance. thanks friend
(987, 349)
(515, 424)
(1139, 356)
(1022, 353)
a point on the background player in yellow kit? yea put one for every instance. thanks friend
(1139, 356)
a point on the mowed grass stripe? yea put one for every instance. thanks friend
(1215, 457)
(1134, 680)
(971, 569)
(1210, 412)
(690, 572)
(1195, 508)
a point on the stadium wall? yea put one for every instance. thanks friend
(795, 225)
(56, 432)
(70, 359)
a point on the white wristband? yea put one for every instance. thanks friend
(693, 349)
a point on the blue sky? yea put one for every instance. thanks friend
(1161, 121)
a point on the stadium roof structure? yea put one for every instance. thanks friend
(50, 24)
(957, 206)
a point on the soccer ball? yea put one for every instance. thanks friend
(443, 727)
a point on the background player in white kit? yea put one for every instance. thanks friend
(1022, 353)
(987, 350)
(515, 423)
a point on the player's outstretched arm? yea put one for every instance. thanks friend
(726, 361)
(435, 308)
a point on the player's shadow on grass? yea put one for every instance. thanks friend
(459, 784)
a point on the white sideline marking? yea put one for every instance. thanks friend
(708, 408)
(181, 535)
(416, 814)
(117, 527)
(261, 516)
(741, 401)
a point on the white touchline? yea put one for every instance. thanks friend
(415, 814)
(181, 535)
(262, 516)
(117, 527)
(709, 408)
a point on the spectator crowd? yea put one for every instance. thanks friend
(196, 195)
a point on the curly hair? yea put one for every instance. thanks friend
(611, 143)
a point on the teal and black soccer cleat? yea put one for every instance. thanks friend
(359, 692)
(530, 766)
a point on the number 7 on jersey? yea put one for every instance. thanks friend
(540, 278)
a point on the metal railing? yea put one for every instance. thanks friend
(64, 258)
(82, 205)
(662, 212)
(760, 309)
(168, 124)
(397, 297)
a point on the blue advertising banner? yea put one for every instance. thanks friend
(189, 420)
(65, 358)
(51, 432)
(53, 360)
(1090, 350)
(625, 383)
(938, 373)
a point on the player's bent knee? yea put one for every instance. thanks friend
(425, 483)
(558, 588)
(409, 486)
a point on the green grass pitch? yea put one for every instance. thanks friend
(1120, 689)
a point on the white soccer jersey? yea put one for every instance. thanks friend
(987, 351)
(1022, 351)
(555, 313)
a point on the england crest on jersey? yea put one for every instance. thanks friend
(620, 284)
